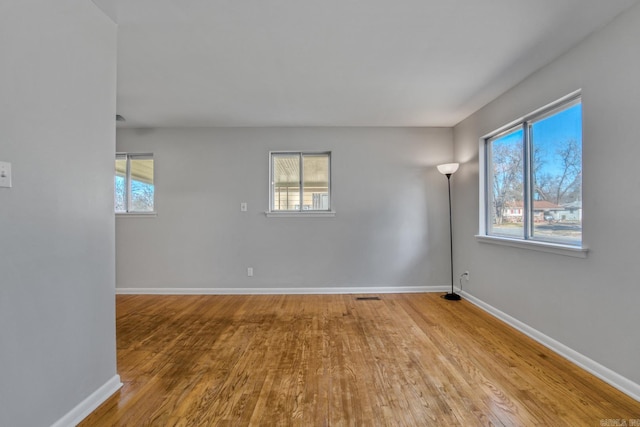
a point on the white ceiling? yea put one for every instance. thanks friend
(334, 62)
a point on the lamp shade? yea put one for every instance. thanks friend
(448, 168)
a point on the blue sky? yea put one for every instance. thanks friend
(549, 134)
(553, 131)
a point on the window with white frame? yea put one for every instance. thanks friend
(134, 186)
(300, 182)
(533, 177)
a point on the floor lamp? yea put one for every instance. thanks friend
(449, 169)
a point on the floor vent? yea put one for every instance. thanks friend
(367, 298)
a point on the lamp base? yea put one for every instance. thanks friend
(452, 296)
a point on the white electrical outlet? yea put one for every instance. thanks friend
(466, 275)
(5, 174)
(250, 271)
(243, 207)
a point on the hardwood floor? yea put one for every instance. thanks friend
(320, 360)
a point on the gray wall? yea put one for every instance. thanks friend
(390, 228)
(57, 239)
(590, 305)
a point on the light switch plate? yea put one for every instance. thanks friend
(5, 174)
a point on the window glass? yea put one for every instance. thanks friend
(142, 188)
(506, 172)
(286, 182)
(557, 176)
(134, 189)
(121, 184)
(316, 182)
(534, 177)
(300, 181)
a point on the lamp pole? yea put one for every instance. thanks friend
(447, 170)
(452, 295)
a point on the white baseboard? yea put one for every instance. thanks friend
(283, 291)
(88, 405)
(612, 378)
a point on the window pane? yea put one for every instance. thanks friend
(557, 176)
(286, 182)
(120, 184)
(316, 182)
(142, 188)
(505, 187)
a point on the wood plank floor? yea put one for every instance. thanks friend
(320, 360)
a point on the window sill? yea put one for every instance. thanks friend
(136, 214)
(305, 214)
(552, 248)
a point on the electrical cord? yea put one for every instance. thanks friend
(460, 280)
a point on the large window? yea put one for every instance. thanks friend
(300, 182)
(134, 188)
(533, 184)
